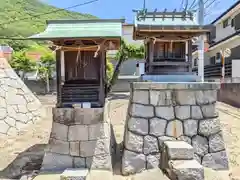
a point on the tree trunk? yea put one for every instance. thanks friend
(115, 74)
(47, 83)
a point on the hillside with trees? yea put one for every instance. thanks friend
(13, 11)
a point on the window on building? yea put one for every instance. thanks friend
(225, 23)
(232, 23)
(195, 62)
(218, 55)
(213, 60)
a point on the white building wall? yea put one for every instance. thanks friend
(221, 32)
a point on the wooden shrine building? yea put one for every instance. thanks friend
(81, 47)
(168, 40)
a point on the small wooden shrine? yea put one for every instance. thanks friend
(81, 47)
(168, 40)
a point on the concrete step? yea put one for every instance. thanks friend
(74, 174)
(186, 170)
(178, 150)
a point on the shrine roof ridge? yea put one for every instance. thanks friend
(72, 21)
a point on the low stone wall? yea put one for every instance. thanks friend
(156, 108)
(80, 138)
(230, 94)
(18, 106)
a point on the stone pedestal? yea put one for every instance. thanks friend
(80, 138)
(168, 111)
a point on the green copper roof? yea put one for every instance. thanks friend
(165, 19)
(93, 28)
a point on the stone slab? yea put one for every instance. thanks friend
(74, 174)
(179, 150)
(187, 169)
(172, 85)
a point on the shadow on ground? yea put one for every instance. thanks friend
(26, 162)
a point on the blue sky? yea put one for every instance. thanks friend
(123, 8)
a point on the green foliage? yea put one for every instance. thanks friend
(128, 51)
(13, 10)
(110, 70)
(21, 63)
(46, 67)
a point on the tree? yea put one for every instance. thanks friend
(126, 51)
(22, 64)
(46, 68)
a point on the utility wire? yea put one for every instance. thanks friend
(50, 12)
(181, 6)
(193, 3)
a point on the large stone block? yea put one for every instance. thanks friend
(99, 131)
(165, 112)
(196, 112)
(150, 145)
(200, 145)
(179, 150)
(141, 97)
(182, 112)
(216, 143)
(157, 127)
(187, 170)
(143, 111)
(133, 142)
(138, 125)
(103, 162)
(153, 161)
(208, 127)
(209, 111)
(79, 162)
(162, 139)
(74, 174)
(75, 148)
(59, 131)
(206, 96)
(58, 146)
(170, 131)
(53, 161)
(161, 98)
(63, 115)
(190, 127)
(87, 148)
(78, 133)
(185, 97)
(133, 162)
(88, 115)
(217, 161)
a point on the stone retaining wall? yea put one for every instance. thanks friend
(80, 138)
(18, 106)
(156, 108)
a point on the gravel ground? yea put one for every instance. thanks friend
(38, 133)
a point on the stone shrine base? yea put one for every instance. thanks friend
(156, 108)
(80, 138)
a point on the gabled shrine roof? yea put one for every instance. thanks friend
(93, 28)
(165, 19)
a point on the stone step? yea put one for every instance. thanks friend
(74, 174)
(186, 170)
(179, 150)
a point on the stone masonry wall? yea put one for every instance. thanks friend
(80, 138)
(156, 108)
(18, 106)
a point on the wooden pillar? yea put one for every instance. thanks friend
(58, 78)
(186, 51)
(102, 77)
(190, 55)
(151, 52)
(62, 68)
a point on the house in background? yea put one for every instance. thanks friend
(128, 68)
(225, 35)
(6, 52)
